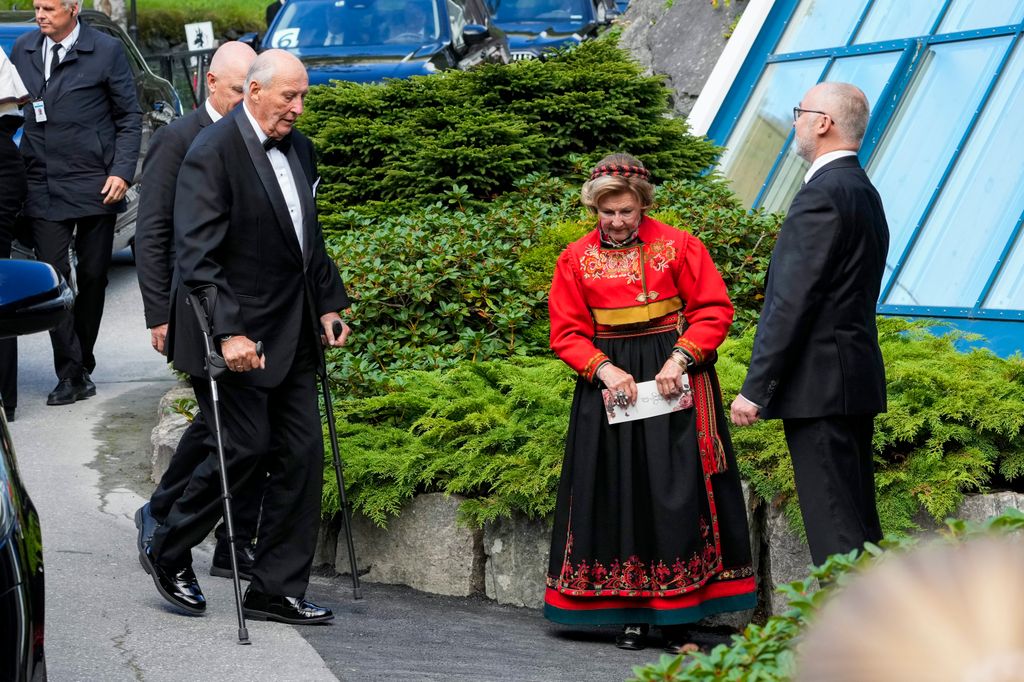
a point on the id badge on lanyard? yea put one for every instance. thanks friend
(40, 110)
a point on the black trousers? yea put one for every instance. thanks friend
(73, 340)
(835, 481)
(273, 430)
(12, 194)
(192, 450)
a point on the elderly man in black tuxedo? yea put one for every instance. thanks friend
(245, 223)
(816, 362)
(81, 143)
(154, 261)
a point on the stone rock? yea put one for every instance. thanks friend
(423, 548)
(978, 508)
(682, 42)
(755, 518)
(326, 543)
(517, 551)
(167, 432)
(787, 558)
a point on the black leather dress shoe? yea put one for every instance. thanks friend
(291, 610)
(146, 524)
(177, 585)
(221, 565)
(632, 637)
(88, 387)
(68, 391)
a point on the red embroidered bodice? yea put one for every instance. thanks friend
(599, 290)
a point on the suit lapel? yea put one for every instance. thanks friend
(34, 78)
(58, 72)
(266, 174)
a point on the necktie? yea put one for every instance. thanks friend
(283, 144)
(55, 59)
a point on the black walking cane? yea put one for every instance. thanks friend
(202, 300)
(346, 516)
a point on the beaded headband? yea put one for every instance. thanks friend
(621, 171)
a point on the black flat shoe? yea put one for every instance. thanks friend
(221, 565)
(9, 413)
(291, 610)
(67, 392)
(177, 585)
(146, 524)
(632, 637)
(87, 385)
(678, 641)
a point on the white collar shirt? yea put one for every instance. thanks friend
(214, 114)
(68, 42)
(283, 173)
(824, 159)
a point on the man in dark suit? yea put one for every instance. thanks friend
(154, 261)
(272, 10)
(81, 145)
(816, 362)
(245, 224)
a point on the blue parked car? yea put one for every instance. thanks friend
(536, 26)
(370, 40)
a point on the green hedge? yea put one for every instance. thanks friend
(494, 431)
(391, 147)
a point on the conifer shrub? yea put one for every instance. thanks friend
(494, 431)
(391, 147)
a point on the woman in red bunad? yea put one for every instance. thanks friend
(650, 526)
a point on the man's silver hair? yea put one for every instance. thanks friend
(68, 4)
(262, 71)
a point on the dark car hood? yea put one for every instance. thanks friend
(367, 64)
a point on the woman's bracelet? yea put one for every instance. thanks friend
(680, 358)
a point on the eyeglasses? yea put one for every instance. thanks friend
(797, 111)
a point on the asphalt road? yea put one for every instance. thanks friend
(86, 467)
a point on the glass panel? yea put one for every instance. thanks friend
(964, 15)
(1008, 292)
(891, 19)
(762, 128)
(869, 72)
(820, 23)
(925, 130)
(980, 203)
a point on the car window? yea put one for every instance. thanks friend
(457, 19)
(540, 10)
(353, 23)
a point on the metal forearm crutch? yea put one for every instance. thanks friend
(346, 515)
(202, 301)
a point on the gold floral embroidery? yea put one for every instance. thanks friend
(598, 263)
(660, 253)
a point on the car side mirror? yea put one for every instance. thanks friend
(33, 297)
(251, 39)
(475, 34)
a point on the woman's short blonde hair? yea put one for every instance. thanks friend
(614, 174)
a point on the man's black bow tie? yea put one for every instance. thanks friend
(283, 144)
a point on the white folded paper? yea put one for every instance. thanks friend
(649, 403)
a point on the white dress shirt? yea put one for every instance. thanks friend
(283, 173)
(214, 114)
(828, 157)
(48, 43)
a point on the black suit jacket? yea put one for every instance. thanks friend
(232, 230)
(154, 227)
(816, 349)
(93, 125)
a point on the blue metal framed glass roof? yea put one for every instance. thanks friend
(945, 80)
